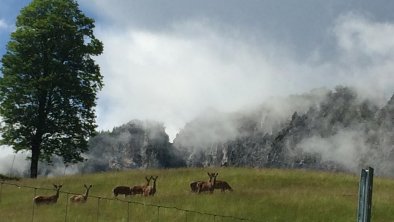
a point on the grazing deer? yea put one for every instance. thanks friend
(208, 186)
(48, 199)
(82, 198)
(223, 185)
(122, 190)
(151, 190)
(139, 189)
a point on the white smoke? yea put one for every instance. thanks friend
(13, 164)
(346, 148)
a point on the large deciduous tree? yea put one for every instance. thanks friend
(50, 81)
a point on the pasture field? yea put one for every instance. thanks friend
(259, 195)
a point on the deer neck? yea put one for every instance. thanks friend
(57, 194)
(86, 194)
(213, 181)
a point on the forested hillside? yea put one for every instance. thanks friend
(331, 130)
(336, 131)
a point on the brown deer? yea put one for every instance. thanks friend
(207, 186)
(139, 189)
(151, 190)
(194, 187)
(48, 199)
(81, 198)
(122, 190)
(223, 185)
(219, 184)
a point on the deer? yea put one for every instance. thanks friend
(139, 189)
(48, 199)
(207, 186)
(219, 184)
(81, 198)
(223, 185)
(194, 187)
(151, 190)
(119, 190)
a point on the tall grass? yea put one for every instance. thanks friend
(259, 194)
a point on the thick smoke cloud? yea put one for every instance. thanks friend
(174, 75)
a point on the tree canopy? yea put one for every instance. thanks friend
(50, 81)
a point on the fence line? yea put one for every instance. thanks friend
(186, 211)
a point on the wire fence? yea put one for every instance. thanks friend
(188, 215)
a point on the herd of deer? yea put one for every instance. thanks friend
(144, 189)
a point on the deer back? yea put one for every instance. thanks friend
(223, 185)
(122, 190)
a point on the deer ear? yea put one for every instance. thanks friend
(54, 185)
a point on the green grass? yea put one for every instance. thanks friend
(259, 194)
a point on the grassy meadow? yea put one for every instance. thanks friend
(259, 195)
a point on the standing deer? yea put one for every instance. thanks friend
(151, 190)
(208, 186)
(82, 198)
(139, 189)
(48, 199)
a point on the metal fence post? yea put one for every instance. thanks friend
(1, 190)
(369, 186)
(32, 214)
(365, 195)
(65, 218)
(128, 211)
(98, 208)
(158, 213)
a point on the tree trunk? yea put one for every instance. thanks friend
(35, 154)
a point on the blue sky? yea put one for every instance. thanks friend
(169, 60)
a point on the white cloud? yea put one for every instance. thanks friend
(346, 148)
(366, 54)
(172, 76)
(359, 36)
(3, 24)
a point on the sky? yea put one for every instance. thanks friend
(170, 60)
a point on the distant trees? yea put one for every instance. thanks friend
(50, 81)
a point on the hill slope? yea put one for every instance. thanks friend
(259, 194)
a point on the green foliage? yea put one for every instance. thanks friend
(50, 81)
(259, 194)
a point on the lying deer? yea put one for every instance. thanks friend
(219, 184)
(208, 186)
(151, 190)
(48, 199)
(139, 189)
(82, 198)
